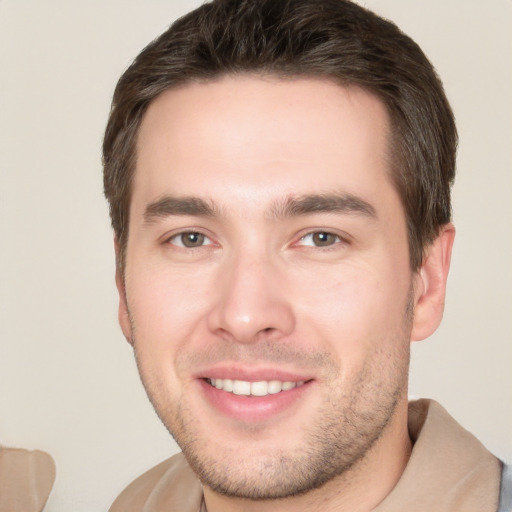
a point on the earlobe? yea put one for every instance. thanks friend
(123, 314)
(430, 286)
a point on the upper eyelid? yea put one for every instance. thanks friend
(178, 232)
(340, 241)
(342, 235)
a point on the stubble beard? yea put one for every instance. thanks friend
(343, 433)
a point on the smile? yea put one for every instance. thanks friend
(260, 388)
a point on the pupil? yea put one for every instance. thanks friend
(323, 239)
(192, 239)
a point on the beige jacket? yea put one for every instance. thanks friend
(449, 471)
(26, 479)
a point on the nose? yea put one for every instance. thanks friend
(251, 301)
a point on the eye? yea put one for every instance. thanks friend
(319, 239)
(190, 240)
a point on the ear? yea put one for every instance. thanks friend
(430, 285)
(123, 314)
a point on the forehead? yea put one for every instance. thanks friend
(262, 135)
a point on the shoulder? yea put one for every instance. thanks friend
(171, 485)
(506, 489)
(26, 479)
(448, 470)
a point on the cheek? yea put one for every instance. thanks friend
(165, 308)
(354, 307)
(165, 311)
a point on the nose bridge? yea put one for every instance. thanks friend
(251, 300)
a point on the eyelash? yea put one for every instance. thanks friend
(180, 236)
(335, 239)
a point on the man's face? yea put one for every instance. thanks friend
(268, 292)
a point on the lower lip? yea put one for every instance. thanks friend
(253, 409)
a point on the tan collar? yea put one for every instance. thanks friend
(449, 469)
(170, 486)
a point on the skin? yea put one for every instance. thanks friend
(326, 295)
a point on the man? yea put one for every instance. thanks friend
(279, 175)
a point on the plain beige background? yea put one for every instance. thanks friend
(68, 384)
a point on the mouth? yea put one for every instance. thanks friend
(257, 389)
(255, 401)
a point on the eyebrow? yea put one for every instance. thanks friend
(323, 203)
(168, 205)
(290, 207)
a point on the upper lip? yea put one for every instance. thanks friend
(234, 371)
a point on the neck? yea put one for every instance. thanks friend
(360, 489)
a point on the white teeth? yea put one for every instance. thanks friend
(274, 386)
(240, 387)
(286, 386)
(260, 388)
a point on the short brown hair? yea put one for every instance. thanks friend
(335, 39)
